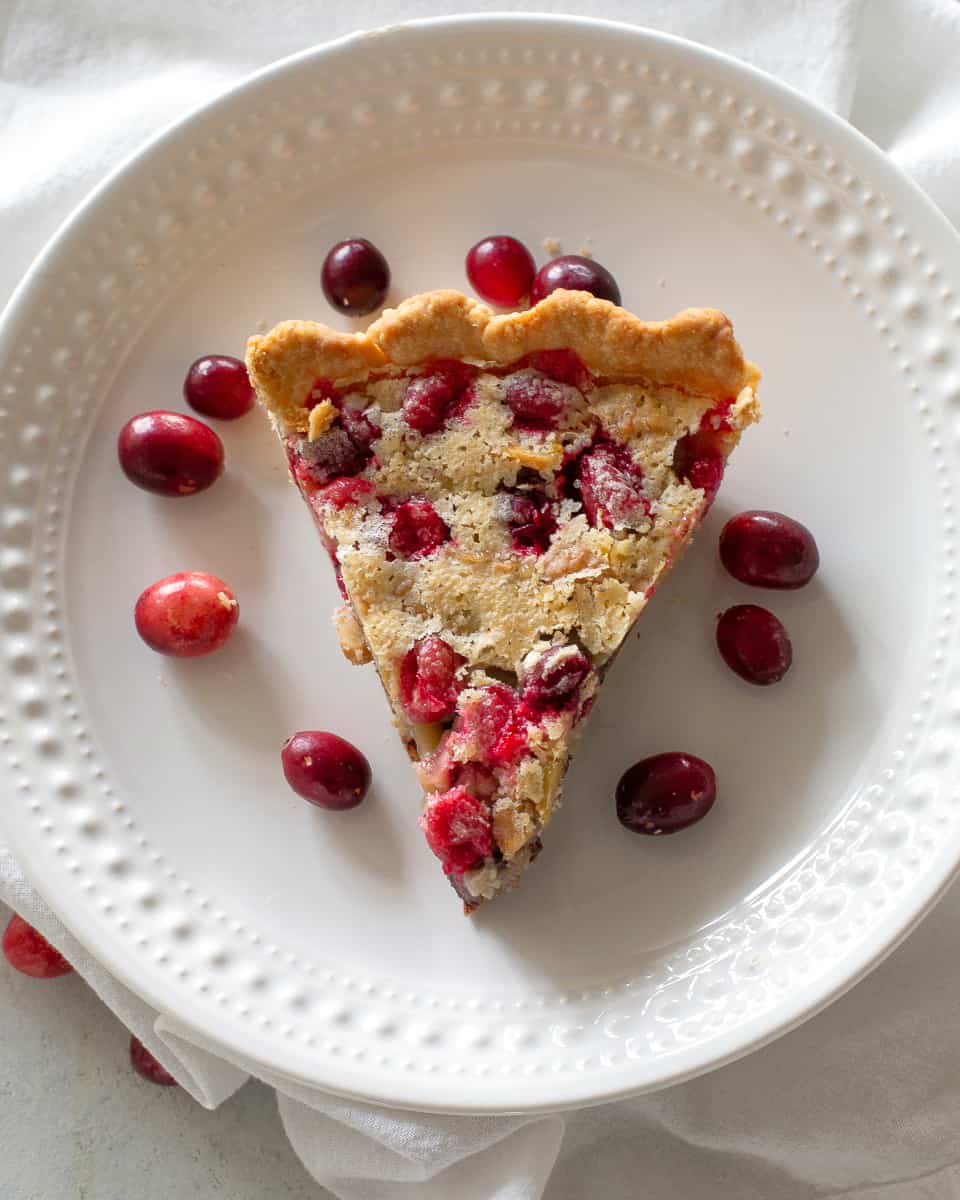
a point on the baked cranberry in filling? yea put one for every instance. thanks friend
(536, 403)
(531, 518)
(699, 461)
(564, 366)
(459, 830)
(553, 681)
(610, 482)
(428, 680)
(492, 727)
(416, 529)
(431, 400)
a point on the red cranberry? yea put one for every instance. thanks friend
(355, 277)
(360, 429)
(320, 390)
(458, 829)
(169, 453)
(754, 643)
(610, 483)
(187, 614)
(332, 455)
(325, 769)
(344, 491)
(428, 680)
(144, 1063)
(478, 779)
(492, 726)
(28, 951)
(767, 549)
(699, 461)
(665, 793)
(500, 270)
(565, 366)
(431, 401)
(536, 403)
(219, 386)
(554, 679)
(577, 274)
(417, 529)
(531, 520)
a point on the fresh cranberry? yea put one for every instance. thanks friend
(565, 366)
(536, 403)
(500, 270)
(417, 529)
(169, 453)
(767, 549)
(144, 1063)
(355, 277)
(554, 679)
(28, 951)
(610, 482)
(187, 614)
(491, 725)
(458, 829)
(532, 521)
(665, 793)
(325, 769)
(699, 461)
(754, 643)
(428, 680)
(219, 386)
(577, 274)
(332, 455)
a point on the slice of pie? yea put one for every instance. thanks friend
(500, 496)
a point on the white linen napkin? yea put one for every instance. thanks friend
(862, 1098)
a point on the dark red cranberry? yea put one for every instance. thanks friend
(332, 455)
(169, 453)
(577, 274)
(610, 487)
(428, 680)
(536, 403)
(699, 461)
(219, 386)
(531, 519)
(145, 1065)
(360, 429)
(325, 769)
(665, 793)
(767, 549)
(355, 277)
(565, 366)
(186, 615)
(492, 726)
(433, 400)
(29, 952)
(754, 643)
(553, 681)
(458, 829)
(416, 529)
(500, 270)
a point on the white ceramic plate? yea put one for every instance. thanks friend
(144, 796)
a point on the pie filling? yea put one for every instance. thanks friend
(496, 531)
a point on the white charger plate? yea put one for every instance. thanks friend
(144, 796)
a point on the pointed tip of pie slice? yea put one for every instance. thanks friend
(493, 566)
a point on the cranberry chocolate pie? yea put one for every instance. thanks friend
(501, 495)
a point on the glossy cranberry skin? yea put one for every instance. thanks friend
(169, 453)
(146, 1066)
(577, 274)
(325, 769)
(355, 277)
(186, 615)
(26, 949)
(768, 549)
(754, 643)
(500, 270)
(218, 386)
(459, 830)
(665, 793)
(428, 681)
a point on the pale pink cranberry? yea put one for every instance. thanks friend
(665, 793)
(355, 277)
(564, 366)
(429, 686)
(344, 491)
(479, 780)
(754, 643)
(768, 549)
(610, 487)
(458, 829)
(416, 530)
(219, 386)
(577, 274)
(699, 460)
(491, 725)
(325, 769)
(553, 681)
(187, 614)
(29, 952)
(169, 453)
(531, 519)
(145, 1065)
(500, 270)
(536, 402)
